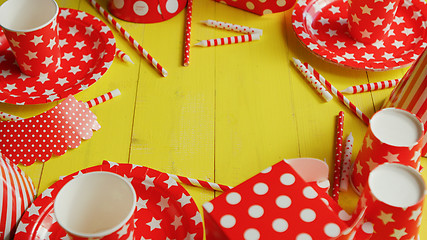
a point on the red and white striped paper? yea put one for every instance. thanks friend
(16, 194)
(411, 93)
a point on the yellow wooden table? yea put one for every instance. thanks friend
(234, 111)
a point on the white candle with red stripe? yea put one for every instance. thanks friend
(128, 37)
(103, 98)
(122, 55)
(228, 40)
(188, 33)
(371, 86)
(346, 162)
(312, 80)
(232, 27)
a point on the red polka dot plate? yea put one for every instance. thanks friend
(321, 25)
(164, 208)
(87, 51)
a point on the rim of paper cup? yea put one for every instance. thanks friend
(310, 162)
(411, 115)
(106, 232)
(36, 28)
(414, 172)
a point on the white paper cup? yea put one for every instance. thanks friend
(96, 205)
(31, 29)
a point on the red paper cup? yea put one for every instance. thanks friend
(97, 205)
(370, 20)
(31, 30)
(16, 194)
(393, 200)
(411, 93)
(394, 135)
(140, 11)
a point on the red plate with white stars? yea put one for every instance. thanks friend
(87, 51)
(164, 209)
(321, 25)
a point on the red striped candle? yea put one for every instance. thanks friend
(228, 40)
(371, 86)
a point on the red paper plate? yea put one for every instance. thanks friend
(164, 209)
(321, 25)
(87, 50)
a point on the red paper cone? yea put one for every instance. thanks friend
(411, 93)
(17, 193)
(395, 136)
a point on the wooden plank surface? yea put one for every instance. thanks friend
(233, 112)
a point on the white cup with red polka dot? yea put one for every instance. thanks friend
(96, 205)
(30, 27)
(393, 200)
(146, 11)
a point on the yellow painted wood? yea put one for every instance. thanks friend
(234, 111)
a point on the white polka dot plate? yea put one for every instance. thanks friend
(164, 208)
(321, 25)
(87, 51)
(52, 132)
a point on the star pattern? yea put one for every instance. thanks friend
(84, 46)
(314, 22)
(182, 222)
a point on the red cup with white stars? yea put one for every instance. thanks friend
(393, 202)
(370, 21)
(32, 32)
(394, 136)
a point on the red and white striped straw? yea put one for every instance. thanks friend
(346, 162)
(228, 40)
(126, 34)
(338, 154)
(200, 183)
(9, 117)
(122, 55)
(103, 98)
(371, 86)
(232, 27)
(188, 33)
(338, 94)
(312, 80)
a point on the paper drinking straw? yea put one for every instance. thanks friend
(103, 98)
(228, 40)
(338, 153)
(338, 94)
(9, 117)
(200, 183)
(371, 86)
(312, 80)
(346, 162)
(122, 55)
(128, 37)
(188, 33)
(232, 27)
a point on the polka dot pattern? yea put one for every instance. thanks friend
(275, 204)
(260, 7)
(49, 133)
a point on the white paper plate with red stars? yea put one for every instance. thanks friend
(164, 209)
(87, 51)
(321, 25)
